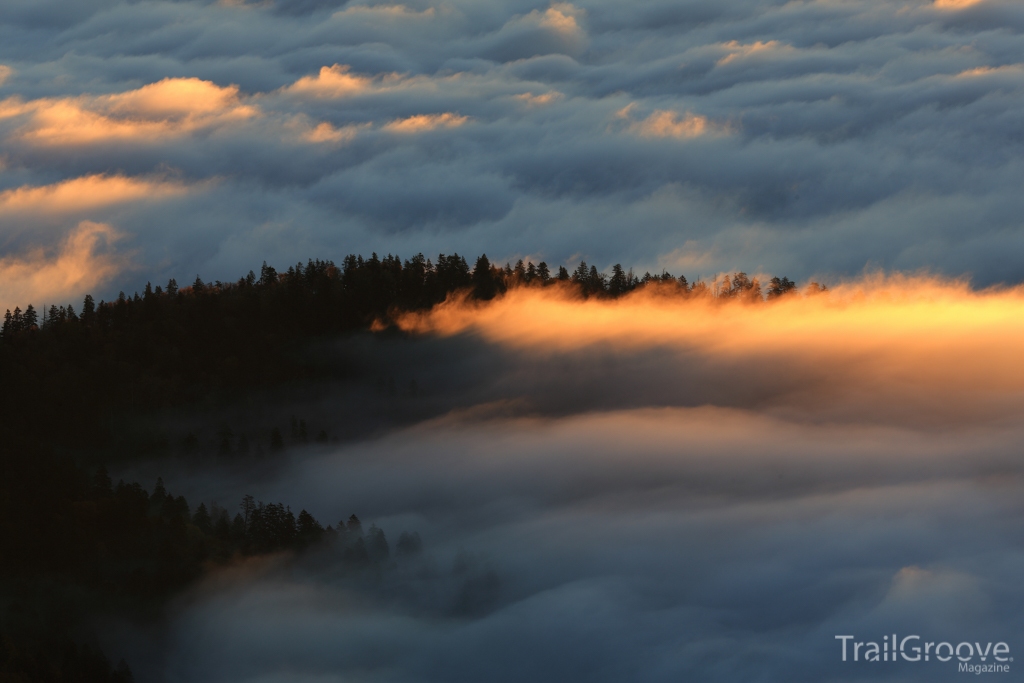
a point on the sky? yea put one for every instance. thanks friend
(149, 140)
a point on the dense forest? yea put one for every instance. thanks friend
(67, 370)
(75, 545)
(77, 548)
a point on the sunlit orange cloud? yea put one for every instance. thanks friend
(663, 123)
(83, 261)
(85, 193)
(981, 71)
(5, 73)
(332, 81)
(326, 133)
(935, 341)
(956, 4)
(158, 111)
(561, 17)
(338, 81)
(539, 100)
(424, 122)
(302, 129)
(738, 51)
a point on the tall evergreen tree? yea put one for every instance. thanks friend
(485, 284)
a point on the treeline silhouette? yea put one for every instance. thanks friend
(75, 547)
(70, 372)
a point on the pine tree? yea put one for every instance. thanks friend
(484, 285)
(30, 319)
(519, 272)
(88, 309)
(202, 519)
(618, 284)
(581, 274)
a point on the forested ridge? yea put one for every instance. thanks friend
(76, 545)
(66, 369)
(77, 548)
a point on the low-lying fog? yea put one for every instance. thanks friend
(638, 512)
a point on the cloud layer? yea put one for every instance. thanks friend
(795, 138)
(618, 498)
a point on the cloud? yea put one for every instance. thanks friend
(169, 108)
(324, 132)
(664, 490)
(885, 348)
(818, 140)
(669, 124)
(84, 260)
(670, 543)
(86, 193)
(654, 487)
(539, 100)
(332, 81)
(5, 73)
(738, 51)
(424, 122)
(956, 4)
(554, 30)
(383, 10)
(561, 17)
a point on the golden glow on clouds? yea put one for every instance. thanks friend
(86, 193)
(982, 71)
(738, 51)
(169, 108)
(332, 81)
(956, 4)
(936, 341)
(326, 133)
(663, 123)
(80, 264)
(668, 124)
(338, 81)
(425, 122)
(176, 98)
(5, 73)
(539, 100)
(874, 312)
(561, 17)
